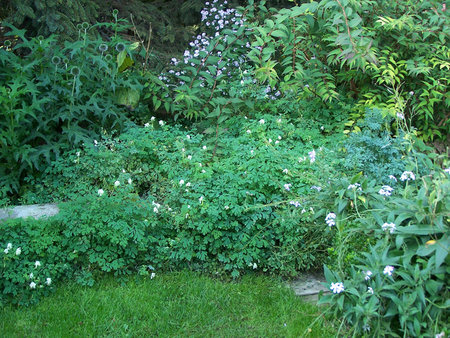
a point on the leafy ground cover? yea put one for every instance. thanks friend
(281, 140)
(171, 304)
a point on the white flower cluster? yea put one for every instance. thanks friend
(355, 186)
(407, 175)
(386, 190)
(288, 186)
(216, 16)
(337, 287)
(388, 227)
(9, 247)
(388, 270)
(392, 177)
(156, 207)
(295, 203)
(34, 282)
(330, 219)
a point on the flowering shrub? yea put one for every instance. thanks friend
(398, 286)
(213, 212)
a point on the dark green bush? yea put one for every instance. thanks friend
(55, 98)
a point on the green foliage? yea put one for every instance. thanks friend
(47, 17)
(31, 253)
(373, 150)
(386, 54)
(54, 98)
(223, 214)
(398, 286)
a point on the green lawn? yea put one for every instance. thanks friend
(174, 304)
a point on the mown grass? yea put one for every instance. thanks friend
(181, 304)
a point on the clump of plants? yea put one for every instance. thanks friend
(397, 286)
(54, 98)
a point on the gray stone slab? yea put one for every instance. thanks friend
(36, 211)
(309, 285)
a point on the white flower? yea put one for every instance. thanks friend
(189, 157)
(287, 186)
(123, 170)
(181, 182)
(285, 171)
(440, 335)
(32, 285)
(200, 200)
(411, 93)
(78, 154)
(31, 275)
(249, 131)
(385, 190)
(204, 148)
(392, 177)
(388, 226)
(129, 181)
(255, 266)
(152, 275)
(147, 125)
(37, 264)
(400, 116)
(6, 250)
(183, 150)
(315, 187)
(152, 118)
(188, 137)
(337, 287)
(48, 281)
(279, 137)
(226, 207)
(447, 170)
(354, 186)
(370, 290)
(116, 183)
(252, 151)
(261, 121)
(155, 210)
(295, 203)
(100, 192)
(388, 270)
(188, 184)
(407, 175)
(95, 142)
(367, 274)
(312, 156)
(161, 122)
(330, 219)
(270, 140)
(18, 251)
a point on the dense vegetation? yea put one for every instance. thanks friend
(279, 140)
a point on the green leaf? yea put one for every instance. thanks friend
(279, 34)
